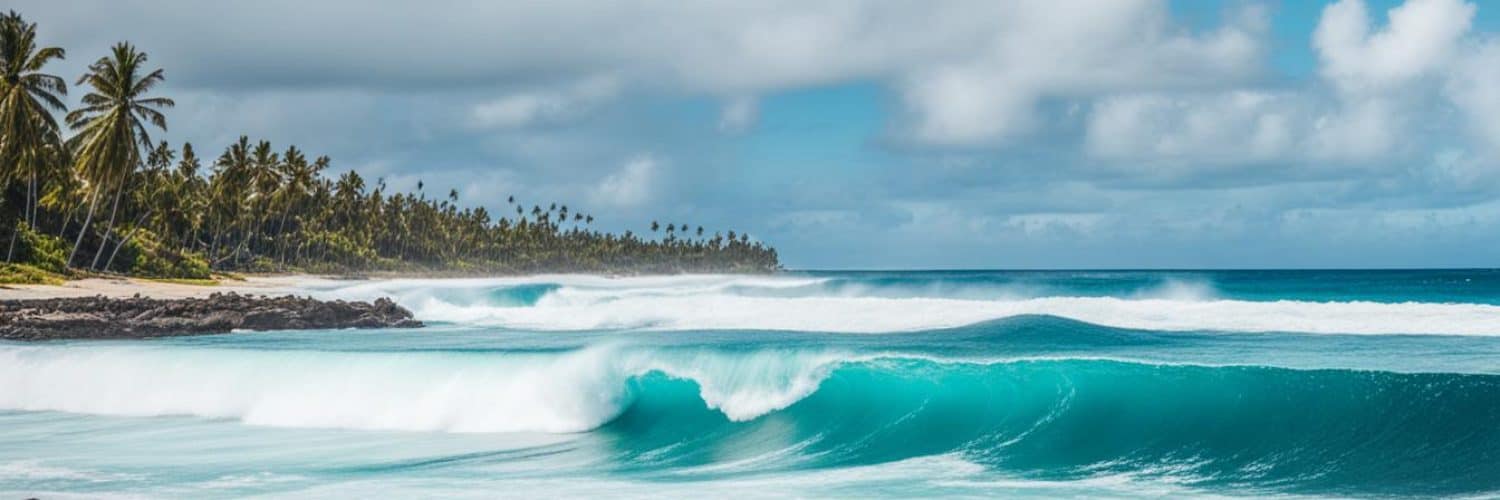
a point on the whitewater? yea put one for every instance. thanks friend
(824, 384)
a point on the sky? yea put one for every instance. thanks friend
(881, 134)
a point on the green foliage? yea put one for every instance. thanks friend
(29, 134)
(149, 257)
(257, 209)
(22, 274)
(43, 251)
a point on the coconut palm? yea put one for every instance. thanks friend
(226, 188)
(30, 144)
(265, 184)
(111, 127)
(258, 206)
(298, 176)
(155, 188)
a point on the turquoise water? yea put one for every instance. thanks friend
(876, 384)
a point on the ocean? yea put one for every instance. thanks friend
(806, 384)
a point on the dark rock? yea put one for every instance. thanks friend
(136, 317)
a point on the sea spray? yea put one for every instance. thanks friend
(1050, 384)
(459, 392)
(1053, 418)
(729, 303)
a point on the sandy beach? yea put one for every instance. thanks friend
(127, 287)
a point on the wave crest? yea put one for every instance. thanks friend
(822, 305)
(459, 392)
(692, 407)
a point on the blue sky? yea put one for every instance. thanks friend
(1027, 134)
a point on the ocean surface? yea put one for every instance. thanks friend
(810, 384)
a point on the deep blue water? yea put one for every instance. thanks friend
(824, 384)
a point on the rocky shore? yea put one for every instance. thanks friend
(138, 317)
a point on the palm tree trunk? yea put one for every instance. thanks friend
(30, 201)
(281, 235)
(86, 221)
(109, 229)
(15, 228)
(67, 219)
(213, 249)
(126, 239)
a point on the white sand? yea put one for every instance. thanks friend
(125, 287)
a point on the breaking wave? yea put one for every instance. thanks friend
(578, 303)
(788, 408)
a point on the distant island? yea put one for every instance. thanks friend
(104, 197)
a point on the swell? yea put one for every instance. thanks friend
(1321, 431)
(1318, 431)
(558, 311)
(863, 306)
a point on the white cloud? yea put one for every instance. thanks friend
(544, 106)
(969, 71)
(1474, 87)
(1381, 76)
(1420, 38)
(1097, 49)
(629, 186)
(1369, 109)
(1197, 144)
(739, 115)
(1229, 127)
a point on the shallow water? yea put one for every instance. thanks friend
(896, 384)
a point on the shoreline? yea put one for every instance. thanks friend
(107, 318)
(124, 287)
(272, 285)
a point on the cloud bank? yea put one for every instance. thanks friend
(881, 134)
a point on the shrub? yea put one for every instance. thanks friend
(44, 251)
(22, 274)
(148, 257)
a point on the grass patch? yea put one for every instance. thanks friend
(22, 274)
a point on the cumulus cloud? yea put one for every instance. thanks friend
(544, 106)
(1369, 108)
(1474, 86)
(1099, 49)
(1378, 75)
(1097, 126)
(968, 71)
(1419, 39)
(1233, 127)
(629, 186)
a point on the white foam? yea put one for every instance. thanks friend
(559, 393)
(732, 303)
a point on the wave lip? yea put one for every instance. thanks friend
(561, 311)
(1317, 430)
(582, 303)
(456, 392)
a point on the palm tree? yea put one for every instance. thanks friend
(225, 187)
(30, 144)
(155, 189)
(265, 183)
(191, 200)
(111, 128)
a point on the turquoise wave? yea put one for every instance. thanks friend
(1313, 431)
(836, 384)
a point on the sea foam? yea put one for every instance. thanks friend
(578, 303)
(458, 392)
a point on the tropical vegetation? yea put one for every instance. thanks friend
(95, 193)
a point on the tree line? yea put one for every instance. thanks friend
(93, 192)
